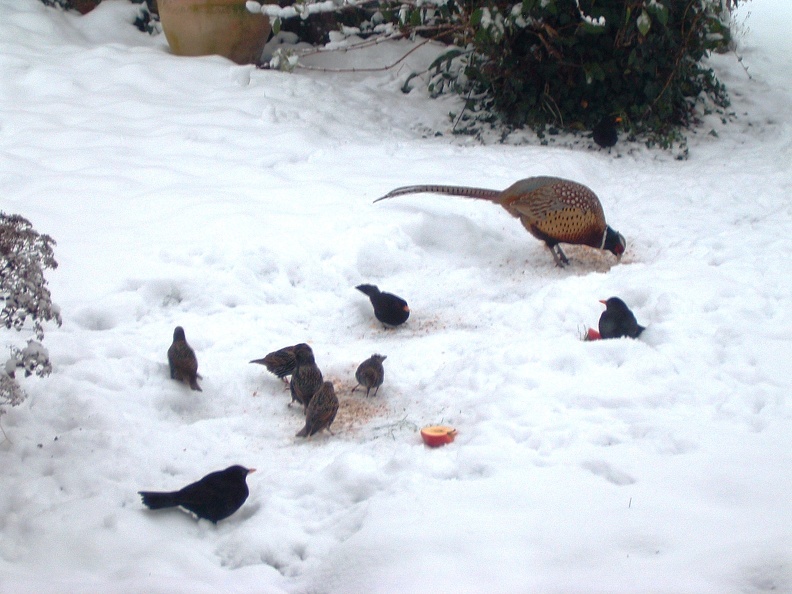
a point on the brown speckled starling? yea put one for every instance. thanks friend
(617, 320)
(215, 497)
(307, 378)
(321, 411)
(552, 209)
(182, 361)
(370, 373)
(388, 308)
(280, 363)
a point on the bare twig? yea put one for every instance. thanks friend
(354, 70)
(377, 69)
(740, 60)
(355, 46)
(462, 112)
(6, 438)
(390, 428)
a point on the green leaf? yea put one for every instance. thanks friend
(593, 72)
(447, 56)
(475, 18)
(644, 23)
(591, 28)
(528, 6)
(660, 12)
(276, 26)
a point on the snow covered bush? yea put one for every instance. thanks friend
(566, 64)
(556, 64)
(24, 255)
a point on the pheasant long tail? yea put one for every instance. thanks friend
(464, 191)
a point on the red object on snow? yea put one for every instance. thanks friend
(438, 435)
(593, 334)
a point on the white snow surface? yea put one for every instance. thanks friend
(238, 203)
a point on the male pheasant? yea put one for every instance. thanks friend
(552, 209)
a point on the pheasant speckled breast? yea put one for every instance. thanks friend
(556, 210)
(552, 209)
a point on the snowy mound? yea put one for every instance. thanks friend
(237, 203)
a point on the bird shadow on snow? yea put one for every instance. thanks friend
(175, 399)
(483, 242)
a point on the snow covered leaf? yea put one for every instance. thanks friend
(644, 23)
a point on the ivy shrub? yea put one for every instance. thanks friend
(561, 64)
(567, 64)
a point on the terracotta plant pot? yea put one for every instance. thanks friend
(84, 6)
(206, 27)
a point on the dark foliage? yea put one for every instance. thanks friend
(560, 64)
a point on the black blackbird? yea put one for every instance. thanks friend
(370, 373)
(182, 360)
(388, 308)
(280, 363)
(321, 411)
(215, 497)
(307, 378)
(605, 133)
(617, 320)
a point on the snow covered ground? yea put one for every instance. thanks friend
(238, 203)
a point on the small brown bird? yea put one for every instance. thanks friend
(307, 378)
(321, 411)
(370, 373)
(389, 309)
(280, 363)
(617, 320)
(182, 360)
(215, 497)
(552, 209)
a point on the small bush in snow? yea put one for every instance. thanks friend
(555, 65)
(24, 255)
(566, 64)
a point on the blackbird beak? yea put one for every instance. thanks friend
(250, 470)
(406, 308)
(603, 301)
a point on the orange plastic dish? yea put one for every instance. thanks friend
(438, 435)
